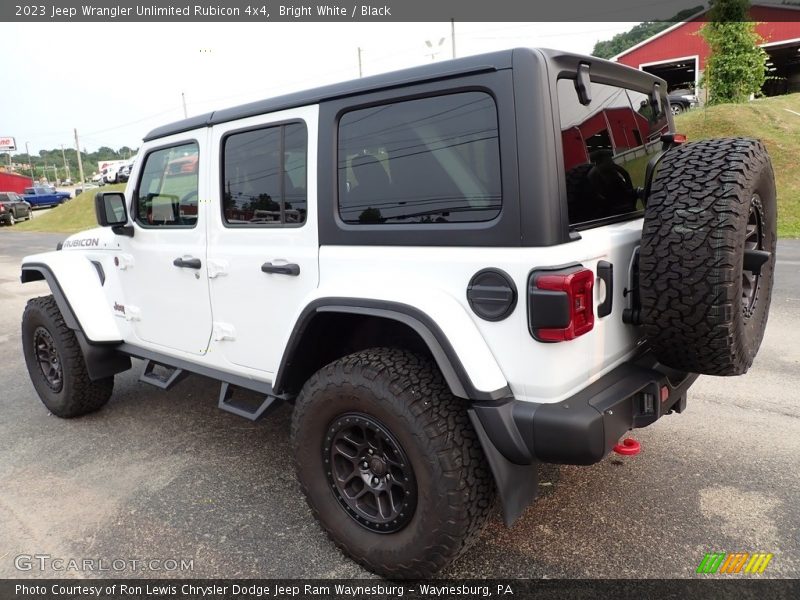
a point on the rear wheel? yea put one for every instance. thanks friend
(708, 255)
(676, 108)
(389, 462)
(11, 219)
(56, 365)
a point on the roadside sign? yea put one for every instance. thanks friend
(7, 144)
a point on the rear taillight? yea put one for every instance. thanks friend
(561, 304)
(2, 208)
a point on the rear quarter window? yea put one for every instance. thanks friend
(428, 160)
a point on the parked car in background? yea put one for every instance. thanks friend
(682, 100)
(13, 208)
(42, 196)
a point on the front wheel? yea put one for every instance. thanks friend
(389, 462)
(56, 365)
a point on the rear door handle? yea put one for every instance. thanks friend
(187, 263)
(290, 269)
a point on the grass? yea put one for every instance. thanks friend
(770, 120)
(74, 215)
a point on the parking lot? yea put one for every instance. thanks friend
(167, 475)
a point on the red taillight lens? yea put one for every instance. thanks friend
(2, 208)
(572, 291)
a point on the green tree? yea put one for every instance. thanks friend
(735, 67)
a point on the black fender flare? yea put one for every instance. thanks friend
(102, 359)
(442, 351)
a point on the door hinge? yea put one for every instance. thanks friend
(217, 267)
(223, 331)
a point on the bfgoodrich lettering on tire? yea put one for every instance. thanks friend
(389, 462)
(708, 255)
(55, 362)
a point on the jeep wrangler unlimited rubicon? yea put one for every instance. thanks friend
(453, 273)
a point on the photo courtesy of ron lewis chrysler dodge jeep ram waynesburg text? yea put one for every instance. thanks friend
(464, 270)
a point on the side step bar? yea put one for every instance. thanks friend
(243, 409)
(162, 376)
(165, 376)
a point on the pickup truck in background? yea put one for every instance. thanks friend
(42, 196)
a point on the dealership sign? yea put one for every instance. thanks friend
(7, 144)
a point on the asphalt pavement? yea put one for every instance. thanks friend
(166, 475)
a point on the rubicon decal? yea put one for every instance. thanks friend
(734, 562)
(82, 242)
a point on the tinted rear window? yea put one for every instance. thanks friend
(606, 146)
(431, 160)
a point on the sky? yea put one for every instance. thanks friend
(114, 82)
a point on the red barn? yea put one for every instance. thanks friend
(679, 54)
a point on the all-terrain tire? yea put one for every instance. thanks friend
(63, 383)
(405, 394)
(702, 310)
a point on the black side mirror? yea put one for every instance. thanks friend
(110, 210)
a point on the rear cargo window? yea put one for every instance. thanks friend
(606, 146)
(430, 160)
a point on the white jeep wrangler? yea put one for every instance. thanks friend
(453, 273)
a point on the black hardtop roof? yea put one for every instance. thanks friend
(555, 61)
(438, 70)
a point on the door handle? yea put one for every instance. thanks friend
(290, 269)
(188, 263)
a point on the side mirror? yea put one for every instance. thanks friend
(109, 207)
(110, 210)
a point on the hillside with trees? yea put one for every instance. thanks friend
(46, 160)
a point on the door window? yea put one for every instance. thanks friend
(264, 176)
(167, 192)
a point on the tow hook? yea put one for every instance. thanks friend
(628, 447)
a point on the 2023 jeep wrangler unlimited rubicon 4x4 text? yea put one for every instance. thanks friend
(453, 273)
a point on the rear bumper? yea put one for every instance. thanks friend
(583, 429)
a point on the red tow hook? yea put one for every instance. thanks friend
(628, 447)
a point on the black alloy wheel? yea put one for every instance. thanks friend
(369, 473)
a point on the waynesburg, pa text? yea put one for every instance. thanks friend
(261, 591)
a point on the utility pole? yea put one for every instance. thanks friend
(30, 163)
(78, 149)
(360, 72)
(183, 98)
(453, 35)
(66, 166)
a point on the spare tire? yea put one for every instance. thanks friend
(707, 257)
